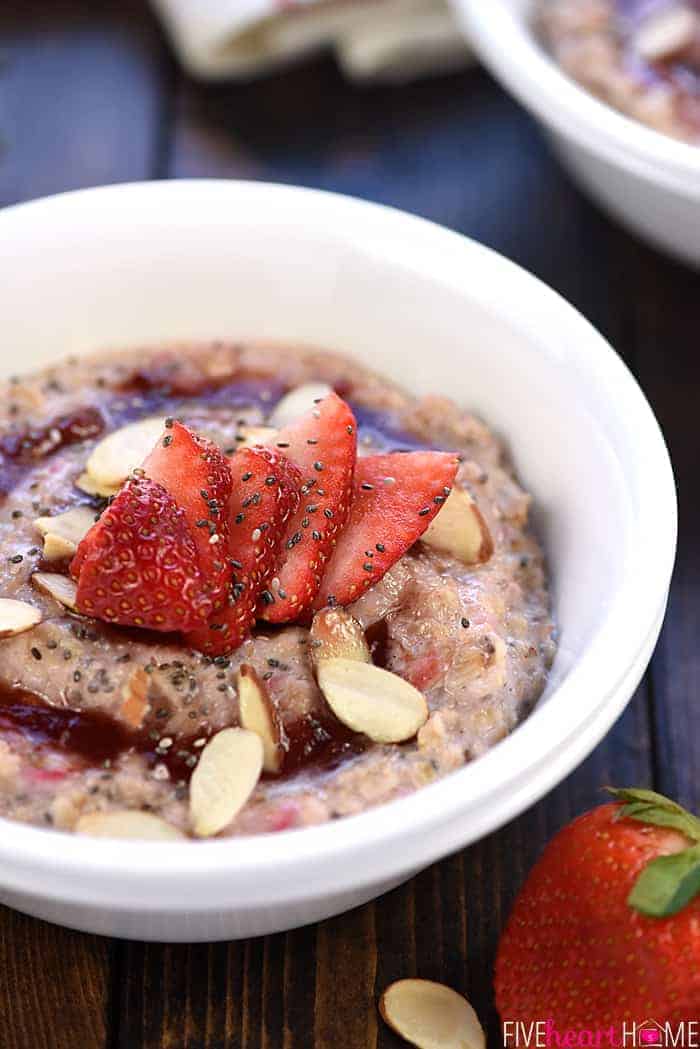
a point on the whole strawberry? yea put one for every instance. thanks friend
(606, 928)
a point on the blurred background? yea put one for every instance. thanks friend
(95, 92)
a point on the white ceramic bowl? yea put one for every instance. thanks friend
(649, 181)
(142, 263)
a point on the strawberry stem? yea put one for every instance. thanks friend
(668, 883)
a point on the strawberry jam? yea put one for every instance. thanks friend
(92, 737)
(22, 447)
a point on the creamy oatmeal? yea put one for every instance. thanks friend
(378, 681)
(641, 56)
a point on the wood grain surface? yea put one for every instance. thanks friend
(89, 94)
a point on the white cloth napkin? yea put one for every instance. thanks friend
(391, 40)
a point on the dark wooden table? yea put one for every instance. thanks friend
(90, 94)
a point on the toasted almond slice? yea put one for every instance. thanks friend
(114, 458)
(298, 401)
(228, 770)
(255, 435)
(460, 530)
(56, 548)
(431, 1016)
(127, 823)
(88, 484)
(258, 714)
(72, 525)
(63, 533)
(666, 33)
(335, 634)
(370, 700)
(59, 587)
(17, 616)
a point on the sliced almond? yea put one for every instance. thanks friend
(88, 484)
(63, 533)
(335, 634)
(135, 697)
(17, 616)
(460, 530)
(370, 700)
(127, 823)
(431, 1016)
(297, 402)
(225, 777)
(59, 587)
(258, 715)
(255, 435)
(121, 452)
(73, 524)
(56, 548)
(666, 33)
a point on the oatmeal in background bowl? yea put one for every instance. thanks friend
(248, 588)
(640, 56)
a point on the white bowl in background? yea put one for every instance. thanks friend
(143, 263)
(649, 181)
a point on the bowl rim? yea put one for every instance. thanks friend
(404, 834)
(504, 40)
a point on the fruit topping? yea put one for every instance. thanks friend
(395, 499)
(265, 492)
(138, 565)
(323, 444)
(197, 476)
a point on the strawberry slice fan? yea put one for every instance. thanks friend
(203, 544)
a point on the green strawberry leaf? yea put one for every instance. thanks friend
(646, 806)
(667, 884)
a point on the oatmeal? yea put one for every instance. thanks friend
(641, 56)
(246, 588)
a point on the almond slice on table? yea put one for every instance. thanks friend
(127, 823)
(335, 634)
(460, 530)
(59, 587)
(17, 616)
(431, 1016)
(121, 452)
(370, 700)
(665, 33)
(64, 532)
(90, 486)
(257, 714)
(225, 777)
(298, 401)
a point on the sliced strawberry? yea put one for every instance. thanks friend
(395, 498)
(323, 444)
(138, 565)
(197, 476)
(85, 546)
(265, 493)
